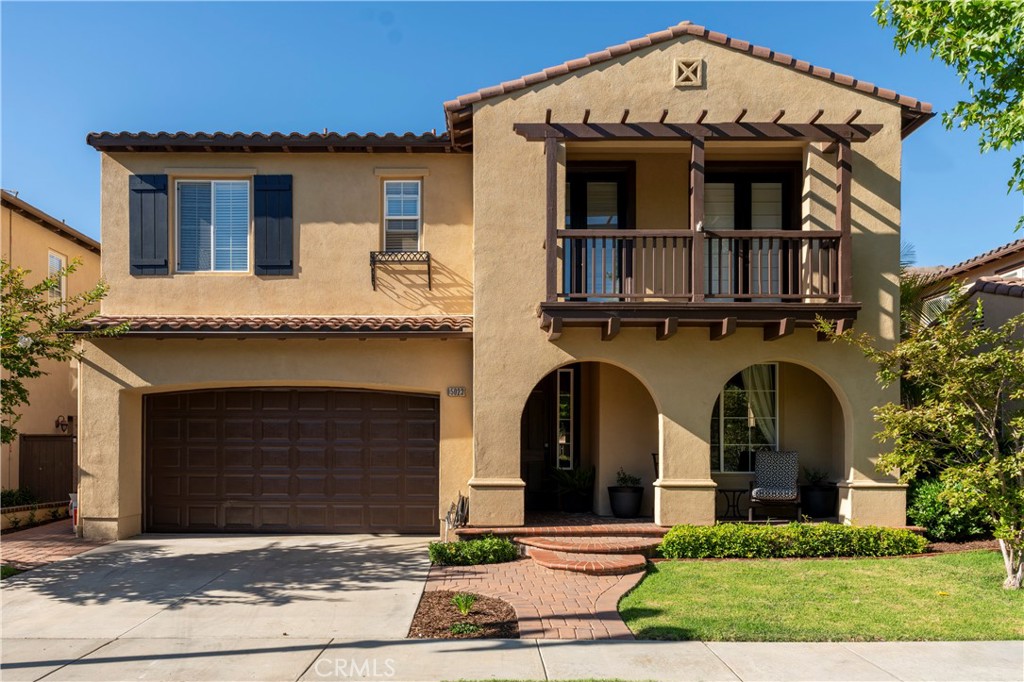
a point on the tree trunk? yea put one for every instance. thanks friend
(1014, 563)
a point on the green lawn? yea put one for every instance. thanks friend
(8, 571)
(945, 597)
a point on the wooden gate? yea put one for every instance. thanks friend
(46, 466)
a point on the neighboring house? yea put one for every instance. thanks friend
(35, 241)
(618, 256)
(996, 278)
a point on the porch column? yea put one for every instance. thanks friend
(844, 178)
(684, 491)
(551, 182)
(697, 217)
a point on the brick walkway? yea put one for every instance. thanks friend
(549, 604)
(42, 545)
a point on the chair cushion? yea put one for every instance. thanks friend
(775, 469)
(773, 494)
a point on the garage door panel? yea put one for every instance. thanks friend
(311, 458)
(239, 457)
(274, 485)
(291, 460)
(239, 429)
(201, 429)
(271, 516)
(201, 401)
(201, 457)
(239, 485)
(311, 429)
(201, 517)
(275, 458)
(201, 485)
(240, 518)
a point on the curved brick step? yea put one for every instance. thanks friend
(591, 564)
(636, 544)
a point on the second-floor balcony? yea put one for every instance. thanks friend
(746, 255)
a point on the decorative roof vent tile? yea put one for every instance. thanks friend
(687, 73)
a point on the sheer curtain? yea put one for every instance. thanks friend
(758, 380)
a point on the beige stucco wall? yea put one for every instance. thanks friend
(27, 244)
(684, 373)
(338, 222)
(117, 373)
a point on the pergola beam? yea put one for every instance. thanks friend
(728, 130)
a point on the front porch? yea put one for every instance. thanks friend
(585, 422)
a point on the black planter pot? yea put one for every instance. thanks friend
(625, 500)
(819, 501)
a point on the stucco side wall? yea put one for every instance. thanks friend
(27, 244)
(685, 372)
(117, 373)
(337, 211)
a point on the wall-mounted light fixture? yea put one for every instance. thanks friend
(62, 424)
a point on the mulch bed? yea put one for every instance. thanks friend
(436, 614)
(970, 545)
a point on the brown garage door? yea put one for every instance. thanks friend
(291, 460)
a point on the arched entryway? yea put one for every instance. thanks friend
(580, 424)
(781, 406)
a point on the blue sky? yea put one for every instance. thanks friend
(71, 68)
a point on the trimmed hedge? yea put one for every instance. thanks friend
(943, 522)
(486, 550)
(737, 540)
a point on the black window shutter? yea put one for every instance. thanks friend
(273, 224)
(147, 224)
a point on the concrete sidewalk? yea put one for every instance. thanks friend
(206, 658)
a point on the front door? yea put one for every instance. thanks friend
(538, 438)
(598, 196)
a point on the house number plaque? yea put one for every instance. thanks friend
(456, 391)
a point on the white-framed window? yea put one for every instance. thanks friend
(565, 419)
(745, 418)
(213, 225)
(402, 218)
(55, 263)
(1017, 271)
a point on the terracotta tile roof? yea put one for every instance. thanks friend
(1002, 286)
(9, 200)
(687, 28)
(156, 325)
(978, 261)
(268, 142)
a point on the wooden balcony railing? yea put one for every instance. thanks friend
(647, 266)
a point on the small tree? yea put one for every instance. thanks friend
(966, 418)
(33, 320)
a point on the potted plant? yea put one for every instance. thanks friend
(575, 489)
(818, 496)
(626, 495)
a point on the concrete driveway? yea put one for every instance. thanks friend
(290, 594)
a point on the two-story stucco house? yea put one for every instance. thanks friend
(34, 240)
(618, 256)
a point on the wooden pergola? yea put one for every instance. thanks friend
(777, 318)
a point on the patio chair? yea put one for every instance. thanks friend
(774, 483)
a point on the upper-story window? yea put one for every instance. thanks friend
(55, 264)
(213, 225)
(402, 218)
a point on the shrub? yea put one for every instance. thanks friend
(486, 550)
(737, 540)
(16, 497)
(944, 522)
